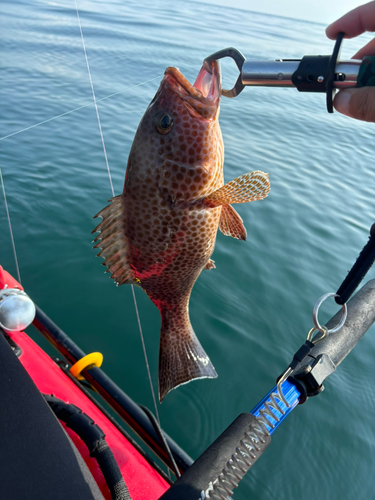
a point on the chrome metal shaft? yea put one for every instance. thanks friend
(278, 73)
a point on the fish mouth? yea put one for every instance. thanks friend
(203, 97)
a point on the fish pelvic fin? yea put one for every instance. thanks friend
(210, 264)
(231, 224)
(112, 242)
(248, 187)
(181, 357)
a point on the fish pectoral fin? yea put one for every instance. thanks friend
(113, 244)
(231, 223)
(181, 358)
(248, 187)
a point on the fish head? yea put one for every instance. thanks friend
(200, 100)
(179, 138)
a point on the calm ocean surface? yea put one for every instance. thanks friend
(252, 312)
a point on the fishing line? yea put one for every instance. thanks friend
(113, 194)
(10, 227)
(77, 109)
(95, 104)
(145, 354)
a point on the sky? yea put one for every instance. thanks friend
(320, 11)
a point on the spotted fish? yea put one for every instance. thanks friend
(159, 234)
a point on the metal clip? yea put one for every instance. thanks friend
(238, 58)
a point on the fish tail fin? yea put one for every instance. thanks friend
(181, 357)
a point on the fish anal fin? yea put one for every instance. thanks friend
(248, 187)
(181, 356)
(231, 223)
(113, 243)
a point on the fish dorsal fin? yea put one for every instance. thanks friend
(113, 243)
(231, 223)
(248, 187)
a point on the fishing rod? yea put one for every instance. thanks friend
(217, 472)
(309, 74)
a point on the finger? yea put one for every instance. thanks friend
(367, 50)
(356, 103)
(354, 23)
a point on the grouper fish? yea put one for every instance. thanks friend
(159, 234)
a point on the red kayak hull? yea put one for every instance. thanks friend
(142, 479)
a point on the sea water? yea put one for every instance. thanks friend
(254, 310)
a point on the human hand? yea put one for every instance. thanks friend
(356, 103)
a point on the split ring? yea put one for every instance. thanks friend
(316, 309)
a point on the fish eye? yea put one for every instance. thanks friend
(164, 123)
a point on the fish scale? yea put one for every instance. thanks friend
(160, 233)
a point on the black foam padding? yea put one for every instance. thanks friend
(37, 461)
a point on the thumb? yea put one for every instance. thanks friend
(357, 103)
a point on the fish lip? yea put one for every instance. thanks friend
(204, 93)
(209, 82)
